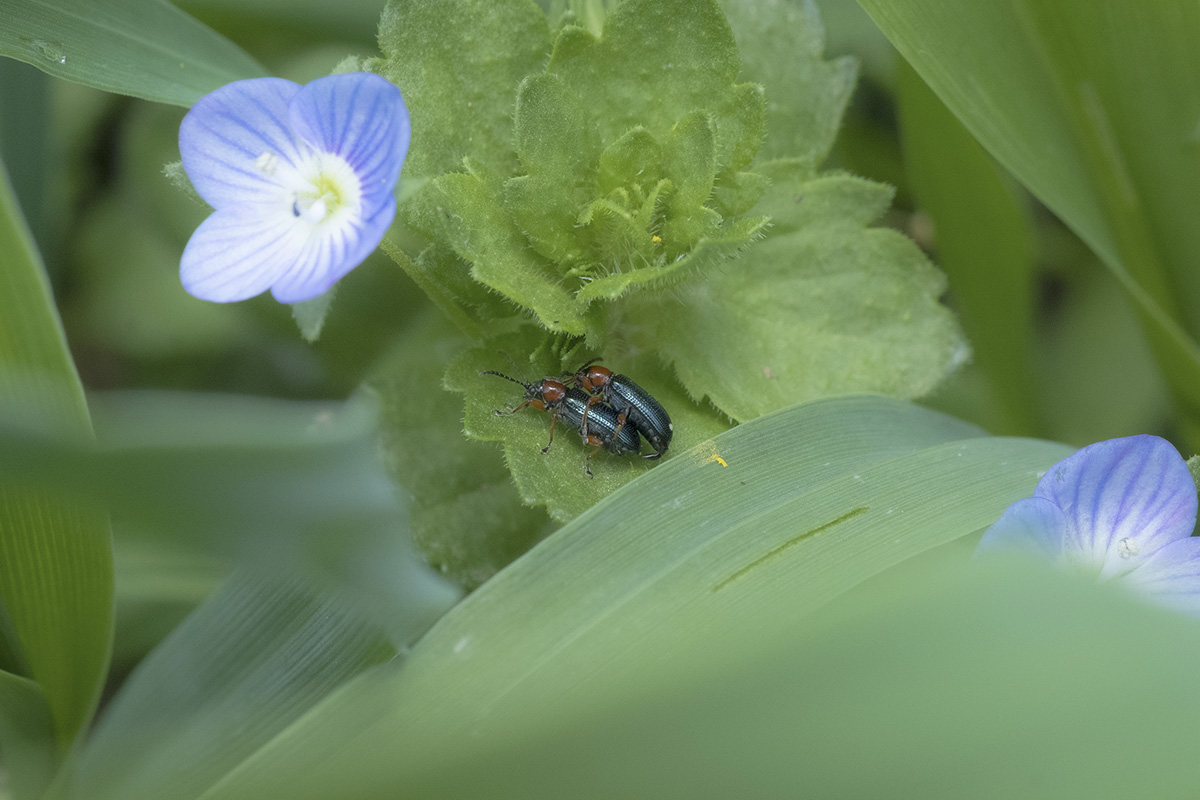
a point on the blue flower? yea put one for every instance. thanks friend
(300, 179)
(1122, 509)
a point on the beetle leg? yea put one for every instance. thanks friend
(514, 410)
(620, 422)
(583, 426)
(553, 419)
(587, 462)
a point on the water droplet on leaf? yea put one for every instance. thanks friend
(48, 51)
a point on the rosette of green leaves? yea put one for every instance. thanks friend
(647, 191)
(622, 169)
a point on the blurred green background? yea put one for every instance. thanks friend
(1058, 355)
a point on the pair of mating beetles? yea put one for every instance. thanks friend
(608, 410)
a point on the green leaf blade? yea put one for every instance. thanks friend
(215, 692)
(799, 492)
(142, 48)
(1090, 106)
(56, 573)
(57, 589)
(748, 535)
(998, 669)
(294, 489)
(985, 246)
(26, 735)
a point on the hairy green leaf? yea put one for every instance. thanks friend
(617, 218)
(737, 192)
(557, 145)
(822, 306)
(656, 61)
(459, 63)
(782, 46)
(638, 192)
(634, 147)
(554, 132)
(467, 518)
(691, 166)
(466, 211)
(740, 126)
(718, 244)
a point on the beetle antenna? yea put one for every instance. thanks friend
(502, 375)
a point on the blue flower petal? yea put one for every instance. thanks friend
(360, 117)
(1171, 576)
(226, 133)
(239, 252)
(1033, 524)
(1120, 495)
(329, 257)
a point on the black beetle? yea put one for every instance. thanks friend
(631, 401)
(598, 424)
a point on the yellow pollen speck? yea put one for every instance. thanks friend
(706, 453)
(656, 239)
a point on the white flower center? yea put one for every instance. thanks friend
(322, 189)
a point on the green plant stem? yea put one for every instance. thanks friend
(440, 297)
